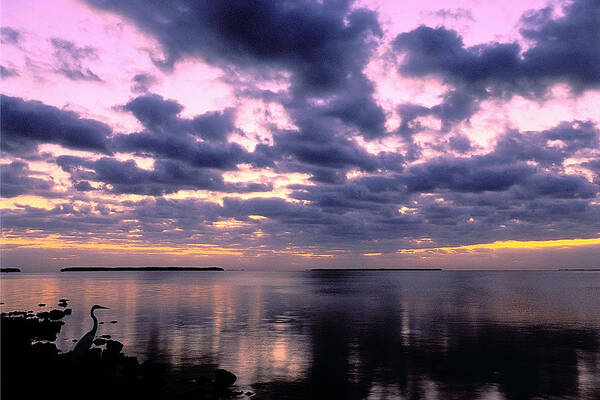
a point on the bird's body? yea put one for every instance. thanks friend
(84, 344)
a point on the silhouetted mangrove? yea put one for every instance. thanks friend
(376, 269)
(580, 269)
(89, 269)
(32, 367)
(10, 270)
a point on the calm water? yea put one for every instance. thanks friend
(348, 335)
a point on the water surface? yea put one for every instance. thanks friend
(347, 335)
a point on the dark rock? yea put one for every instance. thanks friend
(249, 394)
(63, 300)
(42, 305)
(105, 336)
(224, 378)
(112, 353)
(68, 311)
(95, 354)
(113, 322)
(15, 313)
(44, 349)
(74, 340)
(114, 346)
(100, 342)
(101, 322)
(21, 328)
(56, 314)
(43, 315)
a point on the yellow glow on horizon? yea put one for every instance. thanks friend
(313, 255)
(191, 249)
(372, 254)
(29, 201)
(257, 217)
(508, 244)
(228, 223)
(55, 242)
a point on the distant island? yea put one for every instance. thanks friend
(10, 270)
(88, 269)
(580, 269)
(376, 269)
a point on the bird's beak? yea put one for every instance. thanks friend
(106, 308)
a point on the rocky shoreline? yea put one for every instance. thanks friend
(33, 367)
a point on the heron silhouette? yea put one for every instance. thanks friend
(84, 344)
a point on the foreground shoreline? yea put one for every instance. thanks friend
(29, 355)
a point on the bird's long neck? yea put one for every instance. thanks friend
(95, 327)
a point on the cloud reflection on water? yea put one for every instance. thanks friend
(352, 335)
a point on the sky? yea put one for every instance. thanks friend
(297, 134)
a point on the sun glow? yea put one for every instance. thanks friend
(55, 242)
(507, 244)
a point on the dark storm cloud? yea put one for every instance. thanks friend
(153, 111)
(16, 180)
(562, 49)
(165, 177)
(143, 82)
(559, 186)
(457, 105)
(319, 42)
(505, 194)
(161, 115)
(324, 45)
(69, 58)
(409, 113)
(355, 106)
(459, 143)
(571, 138)
(373, 194)
(566, 47)
(317, 148)
(65, 219)
(9, 35)
(167, 135)
(317, 174)
(594, 165)
(214, 126)
(317, 145)
(183, 148)
(26, 124)
(268, 207)
(475, 174)
(507, 165)
(83, 186)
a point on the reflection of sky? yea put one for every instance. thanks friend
(275, 327)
